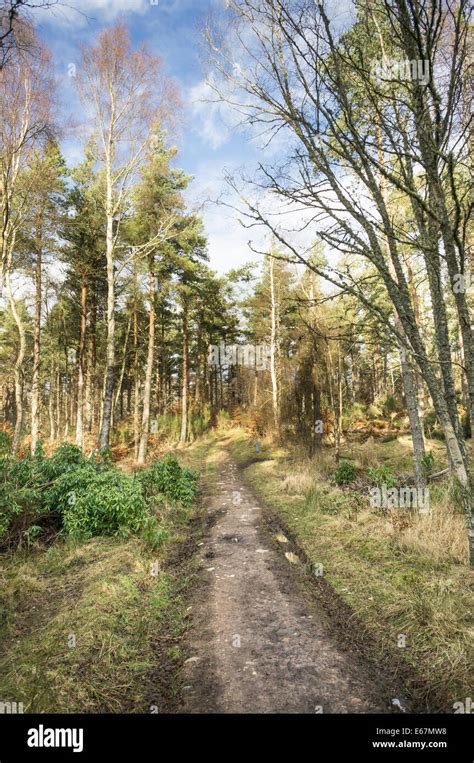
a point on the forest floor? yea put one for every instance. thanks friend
(278, 592)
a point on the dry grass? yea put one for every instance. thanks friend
(298, 483)
(439, 535)
(323, 464)
(305, 474)
(367, 455)
(397, 454)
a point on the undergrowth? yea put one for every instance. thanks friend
(83, 497)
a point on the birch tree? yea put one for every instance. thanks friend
(14, 13)
(126, 95)
(26, 90)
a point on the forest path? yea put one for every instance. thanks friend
(257, 643)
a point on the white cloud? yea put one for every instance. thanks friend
(78, 14)
(227, 238)
(209, 117)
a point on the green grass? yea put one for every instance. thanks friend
(78, 627)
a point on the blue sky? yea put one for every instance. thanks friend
(208, 144)
(173, 30)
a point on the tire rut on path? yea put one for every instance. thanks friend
(257, 645)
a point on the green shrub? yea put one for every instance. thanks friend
(428, 462)
(86, 497)
(104, 503)
(177, 484)
(66, 458)
(21, 497)
(344, 473)
(382, 475)
(5, 445)
(10, 508)
(67, 487)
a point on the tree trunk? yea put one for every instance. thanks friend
(104, 437)
(411, 401)
(335, 405)
(255, 382)
(66, 398)
(89, 401)
(118, 394)
(35, 383)
(197, 385)
(149, 369)
(136, 379)
(58, 401)
(18, 371)
(80, 369)
(338, 408)
(411, 396)
(52, 423)
(184, 389)
(273, 349)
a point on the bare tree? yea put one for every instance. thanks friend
(287, 69)
(12, 14)
(126, 94)
(26, 89)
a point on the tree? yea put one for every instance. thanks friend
(46, 173)
(26, 90)
(127, 96)
(158, 212)
(84, 234)
(12, 16)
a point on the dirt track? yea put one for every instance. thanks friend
(257, 643)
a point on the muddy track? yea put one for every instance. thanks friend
(257, 642)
